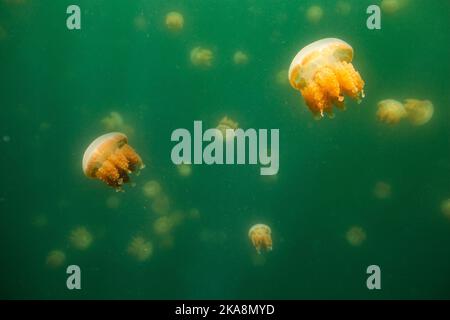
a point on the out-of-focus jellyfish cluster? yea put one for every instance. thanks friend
(417, 112)
(323, 73)
(111, 159)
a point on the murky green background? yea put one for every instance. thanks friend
(57, 85)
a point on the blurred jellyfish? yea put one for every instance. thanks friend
(80, 238)
(167, 241)
(390, 111)
(174, 21)
(201, 57)
(226, 123)
(163, 225)
(281, 77)
(109, 158)
(261, 237)
(113, 202)
(323, 73)
(343, 7)
(445, 207)
(161, 204)
(140, 249)
(184, 169)
(392, 6)
(40, 221)
(152, 189)
(114, 122)
(382, 190)
(240, 58)
(140, 23)
(55, 259)
(6, 139)
(356, 236)
(419, 112)
(314, 14)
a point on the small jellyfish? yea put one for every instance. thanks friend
(390, 111)
(323, 73)
(115, 122)
(40, 221)
(152, 189)
(392, 6)
(201, 57)
(382, 190)
(314, 14)
(240, 58)
(110, 159)
(356, 236)
(140, 23)
(140, 249)
(55, 259)
(163, 225)
(261, 237)
(343, 7)
(80, 238)
(226, 123)
(419, 112)
(445, 208)
(161, 204)
(184, 169)
(174, 21)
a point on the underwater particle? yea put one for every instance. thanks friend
(390, 111)
(314, 14)
(113, 202)
(226, 123)
(323, 73)
(419, 112)
(343, 7)
(201, 57)
(152, 189)
(174, 21)
(281, 77)
(111, 159)
(392, 6)
(356, 236)
(184, 169)
(140, 249)
(240, 58)
(161, 204)
(261, 237)
(163, 225)
(40, 221)
(55, 259)
(80, 238)
(445, 208)
(6, 139)
(140, 22)
(382, 190)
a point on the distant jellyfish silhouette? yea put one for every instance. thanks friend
(80, 238)
(201, 57)
(140, 249)
(355, 236)
(174, 21)
(111, 159)
(391, 111)
(55, 259)
(419, 112)
(261, 237)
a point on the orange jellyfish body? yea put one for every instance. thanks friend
(110, 159)
(261, 237)
(323, 73)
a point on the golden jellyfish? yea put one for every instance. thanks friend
(445, 208)
(111, 159)
(161, 204)
(174, 21)
(419, 112)
(184, 169)
(152, 189)
(140, 23)
(163, 225)
(314, 14)
(140, 249)
(240, 58)
(343, 7)
(390, 111)
(201, 57)
(323, 73)
(355, 236)
(226, 123)
(80, 238)
(261, 237)
(392, 6)
(55, 259)
(115, 122)
(382, 190)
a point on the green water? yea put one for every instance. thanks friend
(57, 85)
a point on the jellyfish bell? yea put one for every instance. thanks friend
(261, 237)
(80, 238)
(314, 14)
(419, 112)
(240, 58)
(140, 249)
(390, 111)
(174, 21)
(201, 57)
(55, 259)
(111, 159)
(323, 73)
